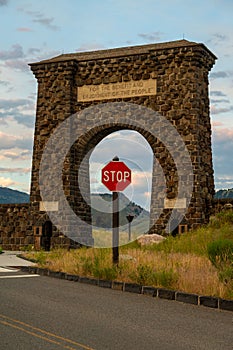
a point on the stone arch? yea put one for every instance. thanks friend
(173, 80)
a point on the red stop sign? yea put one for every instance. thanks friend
(116, 176)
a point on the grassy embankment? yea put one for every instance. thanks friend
(198, 262)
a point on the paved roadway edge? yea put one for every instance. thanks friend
(163, 293)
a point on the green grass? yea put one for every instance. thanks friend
(196, 242)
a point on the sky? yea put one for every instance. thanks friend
(34, 30)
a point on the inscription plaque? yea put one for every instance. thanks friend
(48, 206)
(175, 203)
(110, 91)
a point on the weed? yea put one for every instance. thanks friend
(27, 248)
(145, 275)
(39, 257)
(87, 266)
(107, 273)
(220, 252)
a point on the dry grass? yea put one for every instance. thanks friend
(192, 273)
(179, 263)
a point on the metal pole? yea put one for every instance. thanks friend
(115, 228)
(129, 232)
(130, 219)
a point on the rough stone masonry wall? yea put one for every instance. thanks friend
(182, 97)
(16, 226)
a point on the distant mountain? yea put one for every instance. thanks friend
(9, 196)
(221, 194)
(102, 212)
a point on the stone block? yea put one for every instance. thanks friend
(150, 291)
(187, 298)
(133, 288)
(166, 294)
(208, 301)
(117, 285)
(105, 284)
(55, 274)
(88, 280)
(70, 277)
(226, 304)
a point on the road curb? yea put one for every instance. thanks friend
(161, 293)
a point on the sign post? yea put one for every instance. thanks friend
(115, 228)
(116, 176)
(130, 219)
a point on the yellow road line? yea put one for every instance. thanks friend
(45, 332)
(35, 335)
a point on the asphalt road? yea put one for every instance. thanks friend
(45, 313)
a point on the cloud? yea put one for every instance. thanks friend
(3, 2)
(15, 52)
(20, 110)
(222, 156)
(224, 135)
(220, 74)
(216, 124)
(24, 29)
(3, 120)
(15, 170)
(219, 101)
(217, 38)
(215, 110)
(13, 155)
(38, 54)
(10, 141)
(9, 104)
(33, 50)
(25, 119)
(217, 93)
(47, 22)
(154, 36)
(141, 179)
(4, 83)
(19, 65)
(223, 182)
(39, 17)
(6, 182)
(130, 146)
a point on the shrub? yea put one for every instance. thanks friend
(0, 250)
(226, 276)
(220, 252)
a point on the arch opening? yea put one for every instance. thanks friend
(134, 150)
